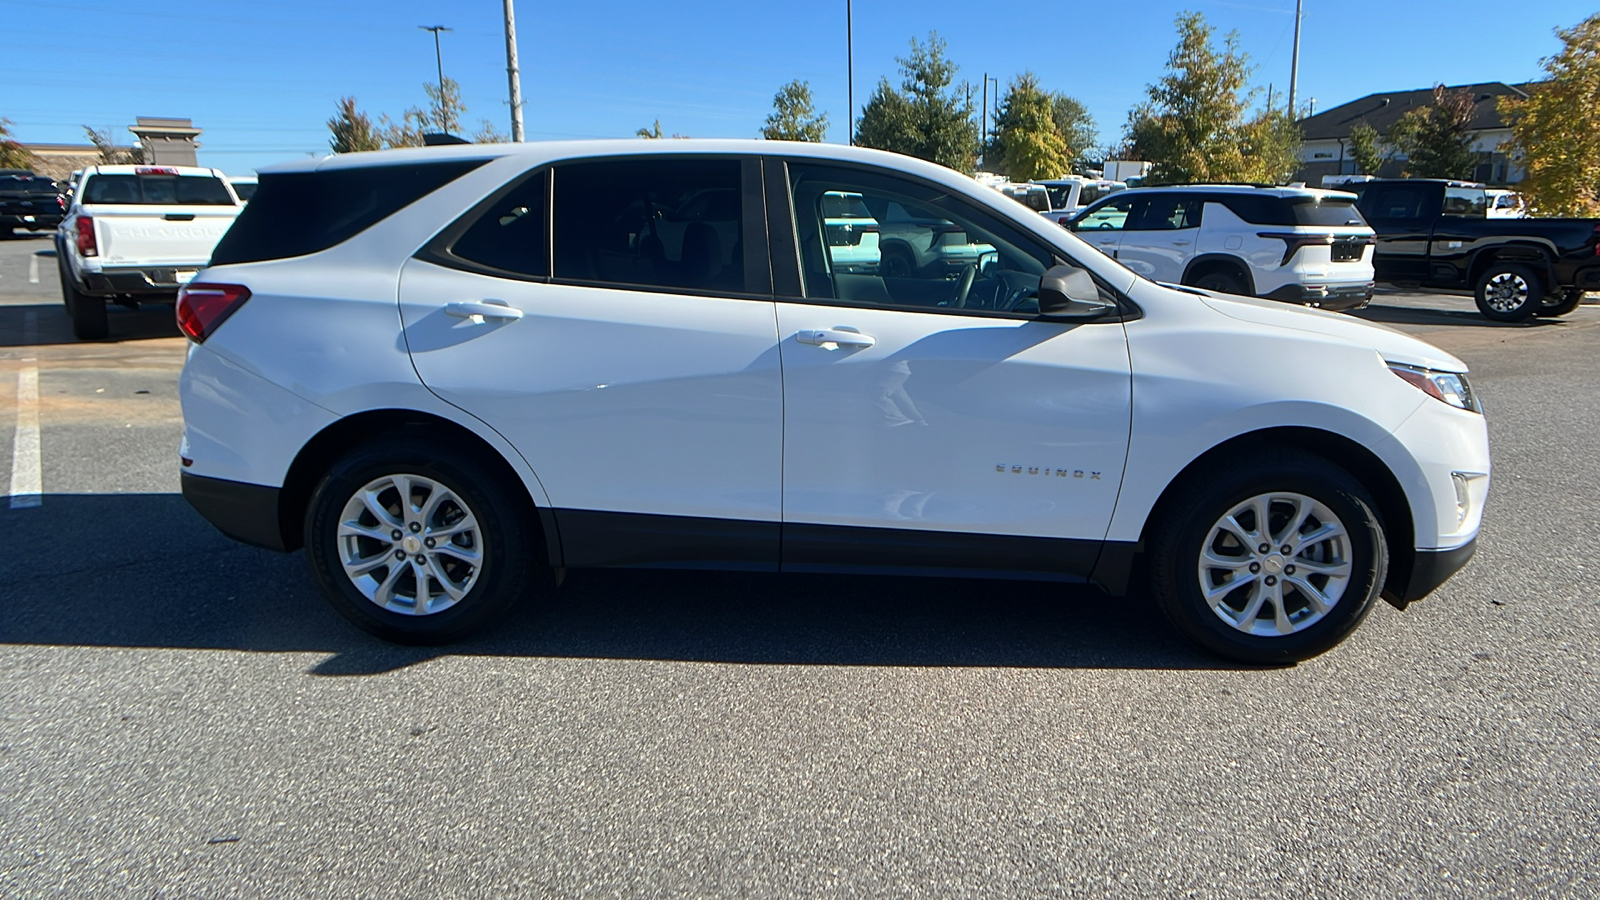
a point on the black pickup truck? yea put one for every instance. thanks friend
(28, 201)
(1435, 234)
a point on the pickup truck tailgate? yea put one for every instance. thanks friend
(161, 236)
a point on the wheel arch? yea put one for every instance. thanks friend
(1539, 256)
(339, 437)
(1366, 467)
(1209, 262)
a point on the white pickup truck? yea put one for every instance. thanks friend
(135, 234)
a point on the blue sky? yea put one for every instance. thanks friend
(262, 78)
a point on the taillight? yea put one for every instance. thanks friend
(61, 202)
(1294, 240)
(203, 307)
(86, 244)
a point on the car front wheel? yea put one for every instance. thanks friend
(1273, 562)
(415, 545)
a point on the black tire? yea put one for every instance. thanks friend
(1193, 525)
(504, 540)
(1560, 303)
(1508, 292)
(1223, 281)
(897, 262)
(88, 313)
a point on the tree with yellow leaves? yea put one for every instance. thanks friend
(1553, 130)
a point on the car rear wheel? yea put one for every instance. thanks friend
(416, 545)
(88, 313)
(1222, 281)
(1509, 292)
(1560, 303)
(1272, 561)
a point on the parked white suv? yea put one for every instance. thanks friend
(1301, 245)
(488, 364)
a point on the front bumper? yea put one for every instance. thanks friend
(1429, 570)
(1335, 297)
(244, 512)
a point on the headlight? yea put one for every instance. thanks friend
(1449, 387)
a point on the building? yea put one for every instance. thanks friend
(167, 142)
(1327, 134)
(60, 160)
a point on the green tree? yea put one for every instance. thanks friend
(926, 118)
(1192, 126)
(1026, 141)
(1076, 126)
(1269, 148)
(489, 133)
(351, 129)
(1364, 149)
(445, 108)
(794, 117)
(1437, 139)
(653, 134)
(110, 153)
(1553, 131)
(12, 154)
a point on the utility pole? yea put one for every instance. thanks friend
(983, 139)
(1294, 64)
(849, 76)
(512, 73)
(438, 58)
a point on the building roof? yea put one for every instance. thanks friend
(1382, 111)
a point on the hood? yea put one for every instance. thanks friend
(1393, 345)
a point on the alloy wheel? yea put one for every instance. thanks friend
(1506, 292)
(410, 544)
(1275, 564)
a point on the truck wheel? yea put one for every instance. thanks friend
(1559, 304)
(1272, 560)
(1509, 292)
(88, 313)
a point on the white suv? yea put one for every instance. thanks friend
(442, 370)
(1301, 245)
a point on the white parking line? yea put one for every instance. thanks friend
(27, 487)
(27, 471)
(33, 269)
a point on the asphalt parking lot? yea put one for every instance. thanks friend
(182, 716)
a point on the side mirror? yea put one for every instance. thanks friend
(1068, 292)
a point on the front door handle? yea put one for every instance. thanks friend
(482, 309)
(840, 336)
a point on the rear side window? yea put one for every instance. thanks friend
(170, 190)
(1268, 210)
(296, 213)
(670, 223)
(509, 233)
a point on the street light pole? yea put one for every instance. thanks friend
(438, 58)
(512, 73)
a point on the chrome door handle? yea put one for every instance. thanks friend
(842, 336)
(482, 309)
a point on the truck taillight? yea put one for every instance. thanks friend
(202, 307)
(86, 244)
(61, 202)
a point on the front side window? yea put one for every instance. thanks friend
(920, 247)
(649, 222)
(1111, 217)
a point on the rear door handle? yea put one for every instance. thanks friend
(839, 336)
(482, 309)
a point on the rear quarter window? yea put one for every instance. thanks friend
(297, 213)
